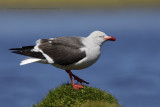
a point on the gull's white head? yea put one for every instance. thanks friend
(99, 37)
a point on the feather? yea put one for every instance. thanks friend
(29, 60)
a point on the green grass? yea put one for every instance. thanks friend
(66, 96)
(99, 104)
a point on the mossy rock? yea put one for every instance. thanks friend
(66, 96)
(99, 104)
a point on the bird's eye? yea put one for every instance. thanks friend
(101, 36)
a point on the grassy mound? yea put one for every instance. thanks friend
(66, 96)
(99, 104)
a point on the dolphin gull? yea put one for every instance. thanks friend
(68, 53)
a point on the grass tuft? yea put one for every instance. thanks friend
(66, 96)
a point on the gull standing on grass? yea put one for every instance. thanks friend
(67, 53)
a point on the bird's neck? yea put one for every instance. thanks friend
(90, 45)
(93, 41)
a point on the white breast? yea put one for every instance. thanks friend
(92, 55)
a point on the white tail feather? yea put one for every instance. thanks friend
(29, 60)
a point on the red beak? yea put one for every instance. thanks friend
(111, 38)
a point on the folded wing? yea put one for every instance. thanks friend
(63, 50)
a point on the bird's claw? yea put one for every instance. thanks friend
(77, 86)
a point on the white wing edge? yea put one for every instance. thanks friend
(29, 60)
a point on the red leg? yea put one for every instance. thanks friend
(75, 86)
(76, 77)
(79, 79)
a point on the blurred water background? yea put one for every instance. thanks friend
(129, 68)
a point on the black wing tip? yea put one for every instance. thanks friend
(23, 47)
(15, 49)
(16, 52)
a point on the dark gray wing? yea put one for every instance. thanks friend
(63, 50)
